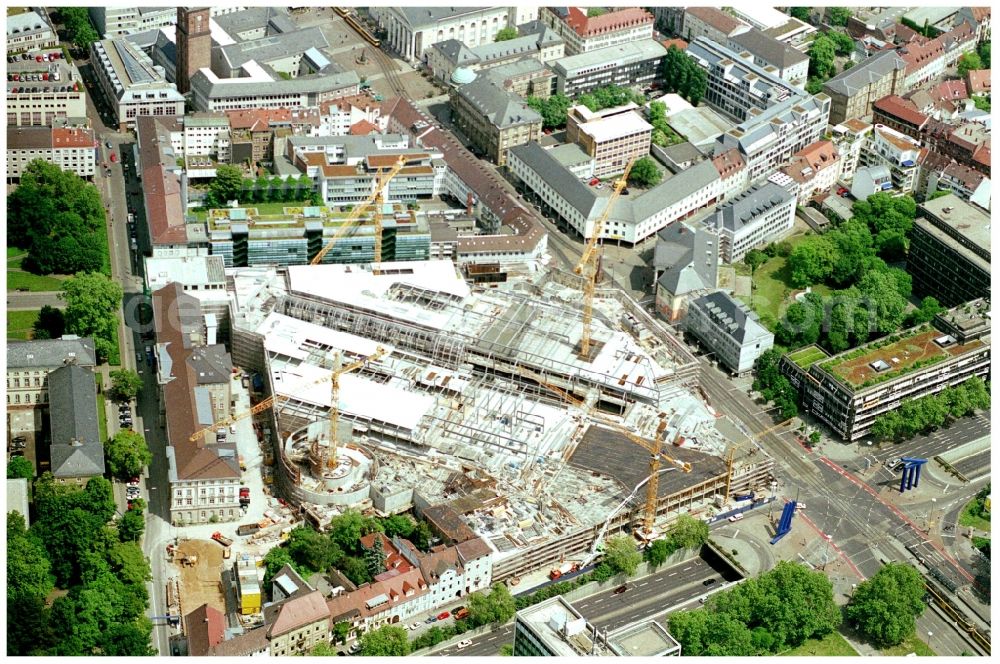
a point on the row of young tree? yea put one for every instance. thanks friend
(933, 411)
(774, 387)
(76, 545)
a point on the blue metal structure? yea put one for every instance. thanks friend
(910, 478)
(785, 523)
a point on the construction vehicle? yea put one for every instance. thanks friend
(317, 457)
(355, 214)
(222, 539)
(247, 529)
(587, 267)
(562, 570)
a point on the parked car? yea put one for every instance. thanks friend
(430, 620)
(416, 625)
(444, 615)
(109, 145)
(134, 481)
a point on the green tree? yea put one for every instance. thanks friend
(386, 641)
(125, 385)
(129, 640)
(843, 44)
(128, 563)
(811, 262)
(19, 467)
(313, 551)
(620, 553)
(227, 184)
(969, 62)
(355, 569)
(422, 536)
(596, 11)
(645, 173)
(853, 244)
(398, 525)
(51, 324)
(78, 27)
(28, 569)
(347, 530)
(885, 607)
(658, 552)
(323, 650)
(754, 259)
(882, 297)
(801, 13)
(497, 606)
(838, 15)
(692, 631)
(375, 558)
(688, 532)
(682, 75)
(131, 526)
(92, 301)
(274, 560)
(821, 55)
(802, 322)
(506, 650)
(505, 34)
(553, 110)
(127, 454)
(983, 50)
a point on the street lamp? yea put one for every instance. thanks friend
(929, 635)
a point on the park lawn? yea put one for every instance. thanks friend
(33, 282)
(19, 324)
(968, 518)
(911, 644)
(770, 289)
(831, 645)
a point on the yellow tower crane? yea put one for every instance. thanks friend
(352, 218)
(587, 267)
(654, 447)
(328, 458)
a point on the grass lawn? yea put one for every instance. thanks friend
(102, 413)
(772, 284)
(33, 282)
(805, 357)
(911, 644)
(831, 645)
(201, 214)
(19, 324)
(968, 518)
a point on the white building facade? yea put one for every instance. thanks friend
(412, 30)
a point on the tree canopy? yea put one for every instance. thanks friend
(553, 110)
(79, 29)
(682, 75)
(92, 302)
(801, 13)
(19, 467)
(838, 15)
(386, 641)
(932, 411)
(843, 44)
(506, 34)
(50, 324)
(125, 385)
(59, 219)
(969, 62)
(126, 454)
(773, 386)
(621, 555)
(496, 606)
(645, 173)
(885, 607)
(821, 55)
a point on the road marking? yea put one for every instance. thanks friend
(672, 574)
(643, 583)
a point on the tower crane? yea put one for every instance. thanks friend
(735, 448)
(587, 267)
(352, 218)
(654, 447)
(329, 458)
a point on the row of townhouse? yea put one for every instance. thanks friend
(583, 33)
(70, 148)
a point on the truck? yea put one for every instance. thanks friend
(565, 568)
(247, 529)
(244, 495)
(221, 539)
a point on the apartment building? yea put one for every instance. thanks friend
(297, 625)
(636, 63)
(940, 173)
(29, 364)
(44, 92)
(789, 64)
(851, 390)
(685, 266)
(69, 148)
(194, 379)
(132, 85)
(253, 132)
(902, 155)
(736, 85)
(853, 92)
(411, 31)
(712, 24)
(978, 17)
(732, 173)
(768, 140)
(927, 59)
(494, 119)
(950, 251)
(535, 41)
(30, 31)
(611, 137)
(814, 168)
(564, 195)
(338, 117)
(763, 214)
(729, 329)
(584, 33)
(207, 135)
(76, 451)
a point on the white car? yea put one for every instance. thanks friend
(736, 517)
(462, 645)
(416, 625)
(800, 506)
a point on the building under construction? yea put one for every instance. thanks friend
(477, 400)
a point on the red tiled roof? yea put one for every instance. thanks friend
(980, 13)
(344, 104)
(615, 20)
(679, 43)
(819, 155)
(297, 612)
(715, 18)
(205, 628)
(161, 189)
(363, 128)
(950, 90)
(72, 138)
(898, 107)
(728, 162)
(979, 81)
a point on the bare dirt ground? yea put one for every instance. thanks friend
(200, 583)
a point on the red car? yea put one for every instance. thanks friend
(114, 158)
(444, 615)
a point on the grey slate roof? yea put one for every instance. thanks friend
(273, 47)
(583, 198)
(456, 52)
(422, 17)
(769, 49)
(255, 17)
(76, 449)
(211, 364)
(864, 73)
(668, 192)
(731, 315)
(300, 85)
(749, 205)
(689, 258)
(629, 52)
(504, 109)
(47, 353)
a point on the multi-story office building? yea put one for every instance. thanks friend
(950, 251)
(30, 362)
(207, 135)
(736, 86)
(711, 23)
(633, 63)
(901, 154)
(584, 33)
(768, 140)
(257, 89)
(120, 21)
(851, 390)
(729, 329)
(536, 42)
(611, 137)
(762, 214)
(71, 149)
(789, 64)
(494, 119)
(411, 31)
(132, 85)
(44, 92)
(526, 78)
(29, 31)
(853, 92)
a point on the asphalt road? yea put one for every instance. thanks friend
(938, 442)
(646, 597)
